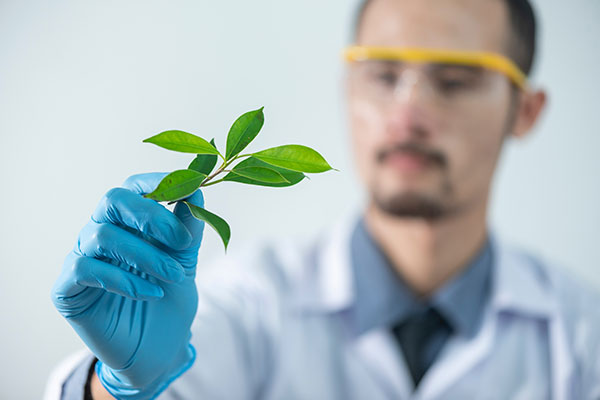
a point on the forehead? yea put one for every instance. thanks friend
(453, 24)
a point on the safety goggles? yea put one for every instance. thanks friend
(488, 60)
(451, 76)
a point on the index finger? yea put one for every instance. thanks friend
(123, 207)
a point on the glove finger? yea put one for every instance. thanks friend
(110, 241)
(193, 224)
(84, 272)
(123, 207)
(146, 183)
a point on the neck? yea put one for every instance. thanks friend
(426, 254)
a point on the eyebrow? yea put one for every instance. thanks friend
(469, 69)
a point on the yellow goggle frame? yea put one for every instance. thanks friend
(489, 60)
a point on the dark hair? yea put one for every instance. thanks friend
(522, 41)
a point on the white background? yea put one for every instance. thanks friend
(82, 83)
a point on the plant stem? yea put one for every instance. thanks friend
(212, 183)
(222, 168)
(218, 171)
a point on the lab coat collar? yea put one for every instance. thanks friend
(518, 285)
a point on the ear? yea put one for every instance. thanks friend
(531, 103)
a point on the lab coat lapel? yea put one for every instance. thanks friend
(379, 353)
(518, 289)
(459, 356)
(527, 288)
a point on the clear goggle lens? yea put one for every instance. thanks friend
(447, 75)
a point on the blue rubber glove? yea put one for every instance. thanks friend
(128, 288)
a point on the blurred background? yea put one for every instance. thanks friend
(83, 83)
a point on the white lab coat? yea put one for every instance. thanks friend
(272, 324)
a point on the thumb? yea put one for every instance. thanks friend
(194, 225)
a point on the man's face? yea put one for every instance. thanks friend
(432, 148)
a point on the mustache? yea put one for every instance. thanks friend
(431, 155)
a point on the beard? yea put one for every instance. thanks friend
(416, 205)
(411, 204)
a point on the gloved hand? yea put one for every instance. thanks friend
(128, 289)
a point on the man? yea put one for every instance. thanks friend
(416, 298)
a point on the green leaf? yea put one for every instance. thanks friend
(212, 142)
(243, 131)
(262, 174)
(218, 223)
(177, 185)
(292, 177)
(204, 163)
(295, 157)
(182, 142)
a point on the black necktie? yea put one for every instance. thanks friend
(421, 336)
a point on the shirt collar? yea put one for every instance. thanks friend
(383, 297)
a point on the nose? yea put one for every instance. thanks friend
(413, 87)
(406, 115)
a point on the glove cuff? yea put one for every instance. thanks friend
(121, 390)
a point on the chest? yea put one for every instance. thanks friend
(317, 358)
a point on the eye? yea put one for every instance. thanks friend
(385, 78)
(449, 85)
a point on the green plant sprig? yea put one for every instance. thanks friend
(280, 166)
